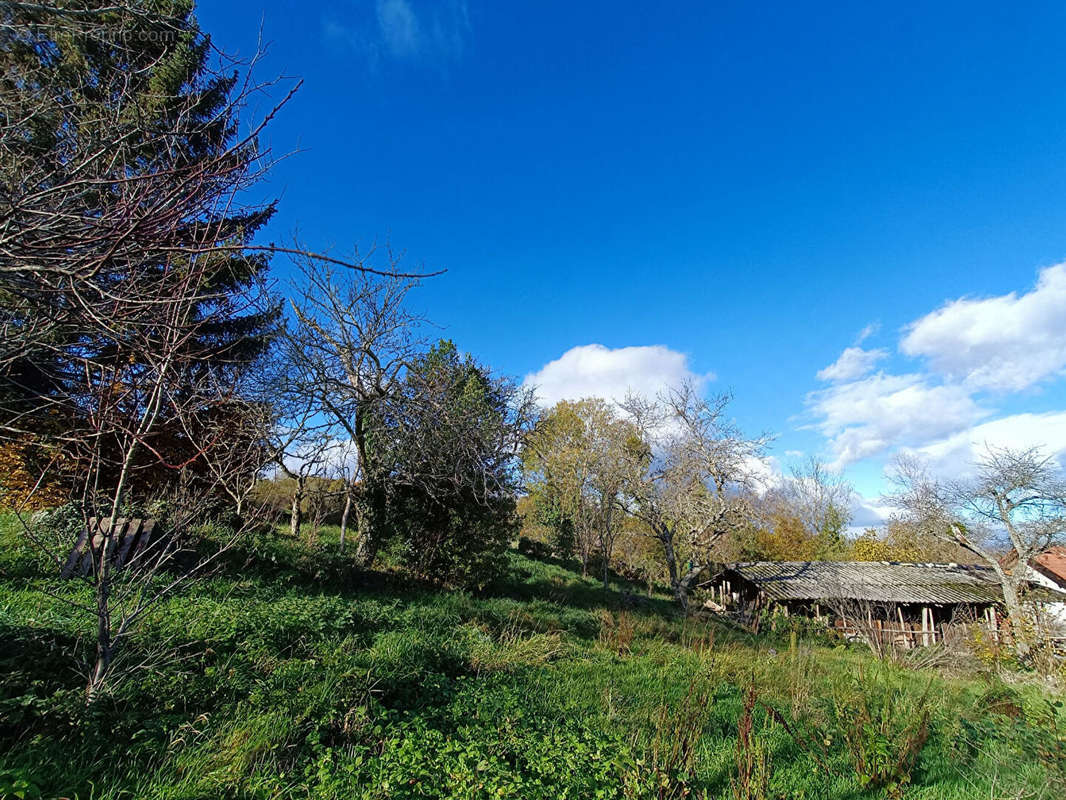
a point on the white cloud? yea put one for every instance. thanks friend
(868, 417)
(853, 363)
(954, 456)
(867, 513)
(399, 27)
(1004, 343)
(404, 30)
(867, 332)
(971, 348)
(764, 473)
(330, 457)
(593, 370)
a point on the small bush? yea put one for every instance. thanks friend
(533, 548)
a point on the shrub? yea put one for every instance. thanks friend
(534, 548)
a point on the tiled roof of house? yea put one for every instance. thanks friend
(1052, 562)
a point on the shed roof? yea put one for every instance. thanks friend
(879, 581)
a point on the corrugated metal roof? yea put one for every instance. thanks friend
(880, 581)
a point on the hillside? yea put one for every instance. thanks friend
(291, 674)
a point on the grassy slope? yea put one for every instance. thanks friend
(301, 680)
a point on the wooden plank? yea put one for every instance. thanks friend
(88, 563)
(130, 540)
(127, 540)
(75, 555)
(147, 530)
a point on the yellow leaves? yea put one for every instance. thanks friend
(29, 476)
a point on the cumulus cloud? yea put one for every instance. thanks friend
(853, 363)
(764, 473)
(867, 513)
(867, 417)
(971, 350)
(955, 455)
(593, 370)
(1004, 343)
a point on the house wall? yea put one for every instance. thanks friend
(1053, 612)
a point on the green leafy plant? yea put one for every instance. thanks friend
(667, 769)
(17, 784)
(884, 732)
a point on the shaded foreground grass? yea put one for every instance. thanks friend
(290, 674)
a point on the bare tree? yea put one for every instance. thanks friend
(346, 470)
(132, 292)
(1017, 495)
(822, 502)
(698, 480)
(348, 349)
(307, 455)
(121, 402)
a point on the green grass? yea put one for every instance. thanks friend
(291, 674)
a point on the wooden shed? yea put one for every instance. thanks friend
(914, 602)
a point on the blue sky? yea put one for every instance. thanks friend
(749, 189)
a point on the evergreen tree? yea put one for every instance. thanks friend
(122, 166)
(452, 439)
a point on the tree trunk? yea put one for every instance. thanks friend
(680, 591)
(1011, 600)
(104, 652)
(297, 515)
(372, 521)
(1016, 614)
(104, 644)
(684, 585)
(344, 515)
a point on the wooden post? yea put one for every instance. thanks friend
(903, 629)
(925, 626)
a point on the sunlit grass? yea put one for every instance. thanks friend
(290, 679)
